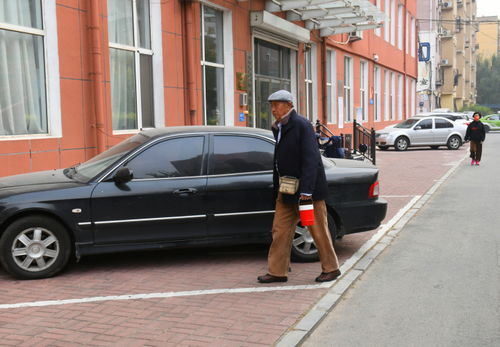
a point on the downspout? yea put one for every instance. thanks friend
(97, 72)
(405, 83)
(323, 85)
(190, 116)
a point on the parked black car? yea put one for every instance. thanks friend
(163, 188)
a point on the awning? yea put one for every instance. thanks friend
(331, 16)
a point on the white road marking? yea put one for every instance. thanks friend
(397, 196)
(348, 264)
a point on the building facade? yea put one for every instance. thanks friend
(488, 37)
(78, 76)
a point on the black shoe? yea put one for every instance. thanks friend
(267, 278)
(328, 276)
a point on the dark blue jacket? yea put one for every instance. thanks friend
(475, 131)
(297, 154)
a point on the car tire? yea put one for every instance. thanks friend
(383, 148)
(454, 142)
(303, 248)
(34, 247)
(434, 147)
(401, 143)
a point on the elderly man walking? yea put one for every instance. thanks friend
(297, 155)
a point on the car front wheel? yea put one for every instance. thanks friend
(383, 148)
(34, 247)
(303, 247)
(454, 142)
(401, 143)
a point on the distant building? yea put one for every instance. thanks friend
(488, 36)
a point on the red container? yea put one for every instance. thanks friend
(306, 213)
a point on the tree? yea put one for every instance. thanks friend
(488, 80)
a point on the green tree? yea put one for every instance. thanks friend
(488, 80)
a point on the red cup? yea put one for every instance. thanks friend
(306, 211)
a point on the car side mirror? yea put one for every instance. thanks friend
(123, 175)
(418, 127)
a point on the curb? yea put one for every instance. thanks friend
(358, 263)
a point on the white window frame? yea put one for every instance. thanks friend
(400, 96)
(393, 95)
(331, 82)
(156, 53)
(348, 89)
(387, 24)
(363, 89)
(378, 3)
(310, 82)
(376, 93)
(387, 110)
(407, 33)
(393, 22)
(400, 26)
(412, 96)
(51, 65)
(227, 23)
(407, 98)
(412, 28)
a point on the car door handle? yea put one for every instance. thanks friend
(185, 191)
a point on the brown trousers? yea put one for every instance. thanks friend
(285, 220)
(476, 150)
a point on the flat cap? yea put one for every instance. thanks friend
(281, 95)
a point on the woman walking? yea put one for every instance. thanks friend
(476, 134)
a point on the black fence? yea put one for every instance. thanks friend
(358, 145)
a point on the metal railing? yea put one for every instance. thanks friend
(364, 142)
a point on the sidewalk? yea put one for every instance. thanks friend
(438, 281)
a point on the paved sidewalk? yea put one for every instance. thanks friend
(438, 282)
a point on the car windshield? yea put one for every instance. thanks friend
(91, 168)
(407, 123)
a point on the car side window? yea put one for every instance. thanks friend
(179, 157)
(237, 154)
(426, 124)
(441, 123)
(494, 117)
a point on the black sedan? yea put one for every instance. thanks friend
(164, 188)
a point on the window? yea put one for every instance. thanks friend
(212, 61)
(181, 157)
(387, 10)
(412, 33)
(407, 32)
(28, 35)
(376, 93)
(425, 124)
(393, 95)
(393, 22)
(331, 86)
(310, 67)
(348, 106)
(412, 96)
(407, 98)
(131, 62)
(400, 96)
(400, 26)
(378, 3)
(363, 88)
(387, 110)
(441, 123)
(238, 154)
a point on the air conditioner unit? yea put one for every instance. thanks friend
(355, 36)
(439, 83)
(444, 61)
(447, 4)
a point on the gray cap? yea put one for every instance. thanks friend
(281, 95)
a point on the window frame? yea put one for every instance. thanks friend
(400, 26)
(348, 89)
(156, 54)
(400, 96)
(376, 93)
(363, 89)
(387, 109)
(51, 71)
(310, 84)
(331, 82)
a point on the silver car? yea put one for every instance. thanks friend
(422, 131)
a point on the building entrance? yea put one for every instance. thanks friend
(272, 73)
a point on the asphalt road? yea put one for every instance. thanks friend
(438, 283)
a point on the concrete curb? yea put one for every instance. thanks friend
(358, 263)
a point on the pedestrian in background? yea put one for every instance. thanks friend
(297, 156)
(475, 134)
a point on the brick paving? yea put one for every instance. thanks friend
(230, 319)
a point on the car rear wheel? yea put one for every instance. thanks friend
(303, 247)
(383, 148)
(401, 143)
(34, 247)
(434, 147)
(454, 142)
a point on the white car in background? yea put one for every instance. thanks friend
(422, 131)
(454, 116)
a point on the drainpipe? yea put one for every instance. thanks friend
(97, 72)
(323, 85)
(191, 66)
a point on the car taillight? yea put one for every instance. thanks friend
(374, 190)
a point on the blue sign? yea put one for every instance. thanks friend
(242, 117)
(424, 51)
